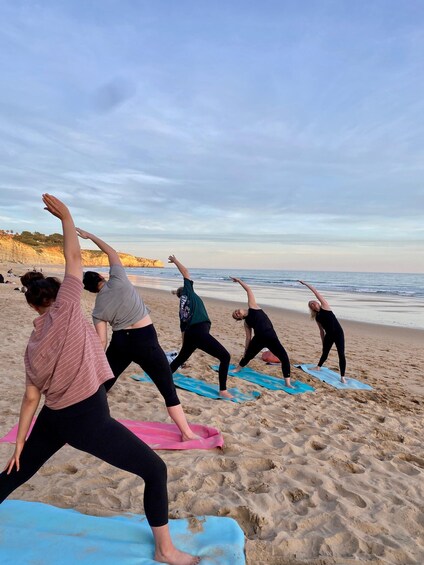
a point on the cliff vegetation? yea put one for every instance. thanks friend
(39, 249)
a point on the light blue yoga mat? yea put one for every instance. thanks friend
(268, 381)
(332, 378)
(204, 389)
(32, 533)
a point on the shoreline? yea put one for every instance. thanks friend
(394, 312)
(415, 335)
(388, 310)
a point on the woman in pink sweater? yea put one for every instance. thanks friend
(65, 362)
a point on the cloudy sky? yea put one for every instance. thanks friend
(268, 134)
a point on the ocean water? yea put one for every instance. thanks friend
(381, 298)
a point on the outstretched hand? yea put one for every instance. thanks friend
(55, 206)
(172, 259)
(234, 279)
(301, 282)
(82, 233)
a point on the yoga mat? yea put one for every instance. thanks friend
(268, 381)
(158, 435)
(332, 378)
(204, 389)
(33, 533)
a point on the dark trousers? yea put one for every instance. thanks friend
(270, 340)
(141, 346)
(198, 337)
(88, 426)
(327, 344)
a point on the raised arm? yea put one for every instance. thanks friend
(183, 270)
(102, 245)
(251, 300)
(319, 296)
(71, 246)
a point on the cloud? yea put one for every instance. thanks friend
(225, 123)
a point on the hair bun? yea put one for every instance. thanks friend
(31, 277)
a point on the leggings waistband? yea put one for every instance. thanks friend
(145, 331)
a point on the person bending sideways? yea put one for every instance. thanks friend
(257, 321)
(134, 337)
(65, 363)
(330, 330)
(195, 327)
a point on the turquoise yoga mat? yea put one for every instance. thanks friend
(332, 378)
(268, 381)
(32, 533)
(204, 389)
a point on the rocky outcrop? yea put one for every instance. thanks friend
(13, 251)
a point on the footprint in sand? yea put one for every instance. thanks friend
(49, 470)
(250, 522)
(317, 446)
(355, 498)
(388, 435)
(217, 464)
(408, 464)
(409, 458)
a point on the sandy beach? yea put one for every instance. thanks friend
(329, 478)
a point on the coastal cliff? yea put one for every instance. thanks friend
(14, 251)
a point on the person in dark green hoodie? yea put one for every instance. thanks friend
(195, 327)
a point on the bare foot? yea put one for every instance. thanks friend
(177, 557)
(288, 384)
(225, 394)
(315, 368)
(189, 436)
(236, 369)
(343, 380)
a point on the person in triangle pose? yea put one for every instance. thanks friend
(195, 328)
(257, 321)
(330, 330)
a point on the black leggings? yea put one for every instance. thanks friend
(270, 340)
(141, 346)
(327, 344)
(88, 426)
(198, 337)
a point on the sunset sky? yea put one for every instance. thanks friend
(272, 134)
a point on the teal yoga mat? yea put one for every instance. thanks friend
(332, 378)
(32, 533)
(204, 389)
(268, 381)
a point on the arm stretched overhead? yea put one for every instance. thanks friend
(319, 296)
(183, 270)
(71, 247)
(251, 301)
(102, 245)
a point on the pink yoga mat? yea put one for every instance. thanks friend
(158, 435)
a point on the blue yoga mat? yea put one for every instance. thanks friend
(268, 381)
(204, 389)
(32, 533)
(332, 378)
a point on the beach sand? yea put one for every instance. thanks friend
(333, 477)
